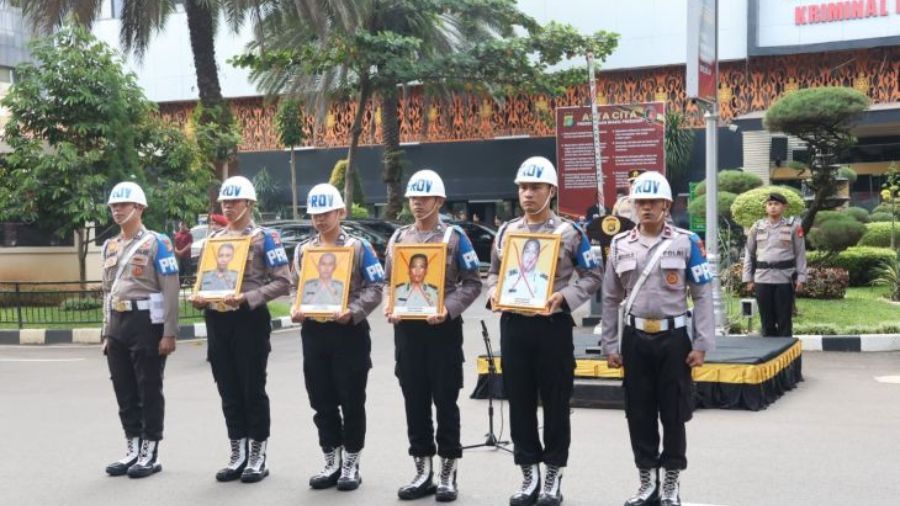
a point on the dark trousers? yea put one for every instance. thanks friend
(238, 353)
(336, 363)
(776, 306)
(538, 360)
(184, 267)
(136, 369)
(657, 384)
(429, 367)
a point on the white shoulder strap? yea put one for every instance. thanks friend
(561, 228)
(448, 233)
(645, 274)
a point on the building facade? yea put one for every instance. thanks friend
(766, 48)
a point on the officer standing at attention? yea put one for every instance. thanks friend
(140, 284)
(775, 264)
(336, 350)
(429, 352)
(238, 331)
(651, 268)
(537, 350)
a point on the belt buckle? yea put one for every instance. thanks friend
(121, 306)
(219, 306)
(652, 326)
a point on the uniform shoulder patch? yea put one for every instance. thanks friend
(166, 263)
(370, 267)
(698, 268)
(466, 257)
(274, 252)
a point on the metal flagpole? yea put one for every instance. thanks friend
(595, 126)
(712, 191)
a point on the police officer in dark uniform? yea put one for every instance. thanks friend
(238, 330)
(775, 265)
(537, 350)
(140, 284)
(646, 328)
(336, 350)
(429, 352)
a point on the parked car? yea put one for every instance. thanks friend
(482, 237)
(384, 227)
(199, 234)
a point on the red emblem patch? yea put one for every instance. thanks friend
(702, 247)
(799, 231)
(137, 271)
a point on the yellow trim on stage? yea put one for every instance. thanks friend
(753, 374)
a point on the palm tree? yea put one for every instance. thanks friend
(141, 20)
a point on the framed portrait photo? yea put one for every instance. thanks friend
(527, 270)
(417, 280)
(323, 287)
(221, 268)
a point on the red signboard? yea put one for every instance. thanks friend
(631, 137)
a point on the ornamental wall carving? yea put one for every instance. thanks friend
(745, 86)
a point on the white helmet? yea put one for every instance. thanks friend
(425, 183)
(323, 198)
(127, 191)
(651, 185)
(537, 169)
(237, 188)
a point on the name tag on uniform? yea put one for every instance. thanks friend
(139, 260)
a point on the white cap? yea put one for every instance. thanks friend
(537, 169)
(425, 183)
(127, 192)
(237, 188)
(323, 198)
(651, 185)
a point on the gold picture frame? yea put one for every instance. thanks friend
(526, 275)
(220, 271)
(324, 297)
(415, 294)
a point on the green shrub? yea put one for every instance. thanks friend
(825, 283)
(880, 217)
(860, 262)
(697, 207)
(357, 211)
(848, 173)
(815, 329)
(836, 234)
(886, 207)
(860, 214)
(879, 235)
(81, 304)
(750, 206)
(338, 175)
(823, 216)
(733, 181)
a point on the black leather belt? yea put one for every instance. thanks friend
(786, 264)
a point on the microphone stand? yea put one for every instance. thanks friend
(491, 440)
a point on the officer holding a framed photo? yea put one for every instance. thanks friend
(429, 351)
(337, 349)
(537, 349)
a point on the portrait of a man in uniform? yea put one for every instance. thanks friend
(324, 279)
(527, 271)
(222, 278)
(221, 267)
(416, 289)
(324, 290)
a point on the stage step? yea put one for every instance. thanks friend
(598, 393)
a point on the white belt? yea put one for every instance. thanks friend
(652, 326)
(123, 306)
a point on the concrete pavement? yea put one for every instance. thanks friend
(832, 441)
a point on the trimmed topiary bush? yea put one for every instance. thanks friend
(885, 207)
(880, 217)
(860, 262)
(836, 234)
(750, 206)
(860, 214)
(733, 181)
(879, 235)
(697, 207)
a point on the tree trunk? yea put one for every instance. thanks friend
(81, 235)
(365, 90)
(201, 29)
(393, 155)
(294, 213)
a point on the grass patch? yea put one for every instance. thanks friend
(55, 318)
(864, 310)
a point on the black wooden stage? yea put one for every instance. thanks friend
(743, 373)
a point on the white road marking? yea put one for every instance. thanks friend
(888, 379)
(41, 359)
